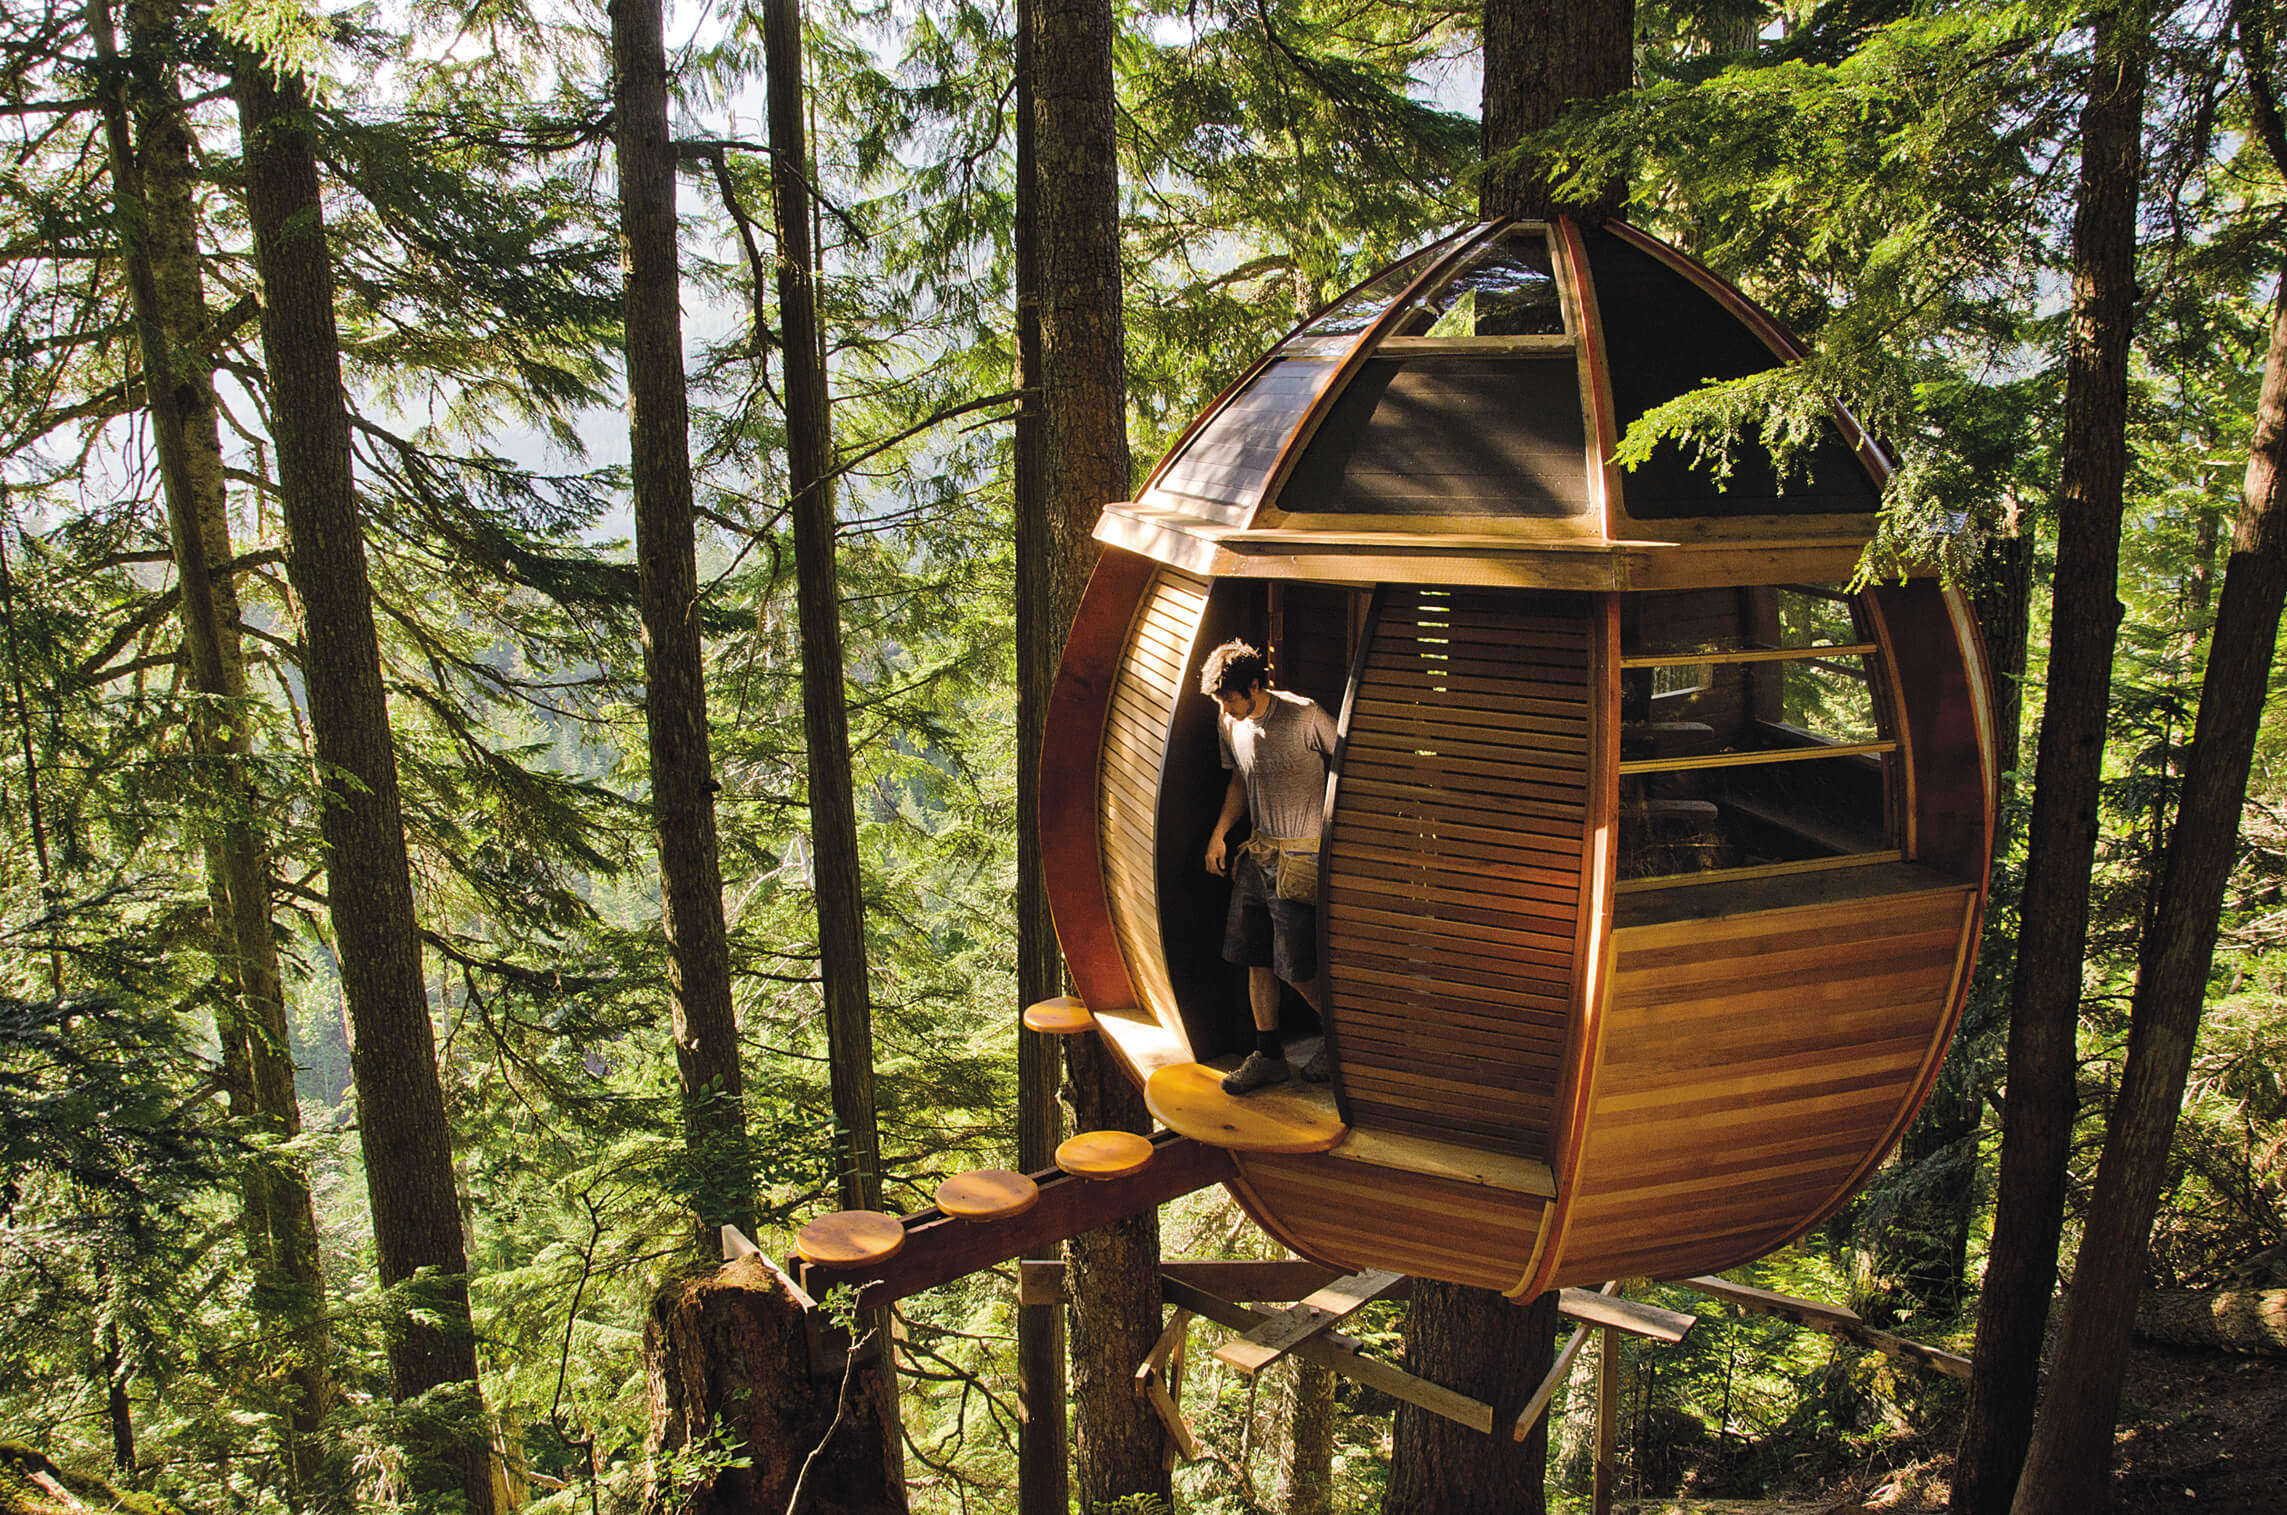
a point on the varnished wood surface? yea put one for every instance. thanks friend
(1357, 1215)
(1154, 666)
(1188, 1098)
(940, 1248)
(1061, 1016)
(1103, 1154)
(1553, 554)
(987, 1194)
(1752, 1063)
(851, 1238)
(1070, 809)
(1453, 862)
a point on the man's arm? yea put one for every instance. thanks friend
(1234, 806)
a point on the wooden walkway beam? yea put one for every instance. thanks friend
(940, 1248)
(1834, 1320)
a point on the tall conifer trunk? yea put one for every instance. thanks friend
(149, 139)
(2045, 994)
(1114, 1271)
(707, 1066)
(2069, 1467)
(825, 715)
(401, 1111)
(1051, 559)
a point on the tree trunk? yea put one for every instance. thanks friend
(2223, 1320)
(1308, 1485)
(2069, 1468)
(1540, 57)
(1489, 1348)
(1114, 1271)
(150, 150)
(825, 717)
(711, 1079)
(738, 1423)
(401, 1111)
(1050, 556)
(2045, 992)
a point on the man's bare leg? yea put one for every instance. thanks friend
(1262, 998)
(1267, 1063)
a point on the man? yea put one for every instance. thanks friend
(1278, 747)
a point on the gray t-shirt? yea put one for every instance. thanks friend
(1283, 756)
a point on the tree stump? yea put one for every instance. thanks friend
(737, 1414)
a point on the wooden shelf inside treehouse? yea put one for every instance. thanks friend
(1292, 1117)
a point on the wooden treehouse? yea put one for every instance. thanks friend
(1654, 856)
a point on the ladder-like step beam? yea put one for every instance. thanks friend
(1290, 1328)
(940, 1248)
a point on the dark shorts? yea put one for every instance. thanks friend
(1264, 931)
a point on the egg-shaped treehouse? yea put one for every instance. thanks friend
(1654, 856)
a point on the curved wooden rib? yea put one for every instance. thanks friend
(1353, 1215)
(1069, 825)
(851, 1239)
(1188, 1099)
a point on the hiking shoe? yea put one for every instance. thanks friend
(1255, 1072)
(1320, 1068)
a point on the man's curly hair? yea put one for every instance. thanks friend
(1233, 668)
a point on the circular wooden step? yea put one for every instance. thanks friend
(1290, 1117)
(1061, 1016)
(987, 1194)
(851, 1238)
(1104, 1154)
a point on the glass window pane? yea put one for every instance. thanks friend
(1331, 332)
(1506, 289)
(1697, 820)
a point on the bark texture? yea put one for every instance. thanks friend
(708, 1070)
(1490, 1348)
(1306, 1484)
(2069, 1467)
(1051, 556)
(1114, 1289)
(2045, 993)
(825, 717)
(1540, 57)
(738, 1423)
(401, 1111)
(149, 137)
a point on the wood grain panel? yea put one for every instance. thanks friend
(1750, 1066)
(1453, 865)
(1357, 1214)
(1152, 671)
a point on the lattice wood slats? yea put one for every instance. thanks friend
(1135, 740)
(1453, 870)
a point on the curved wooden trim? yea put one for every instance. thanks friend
(1326, 1015)
(1230, 390)
(1906, 823)
(1256, 1211)
(1459, 245)
(1071, 761)
(1604, 482)
(1782, 342)
(1592, 952)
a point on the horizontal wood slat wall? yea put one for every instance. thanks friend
(1453, 867)
(1150, 681)
(1355, 1214)
(1748, 1069)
